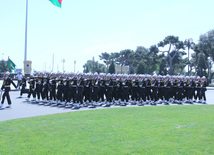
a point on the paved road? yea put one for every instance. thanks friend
(21, 108)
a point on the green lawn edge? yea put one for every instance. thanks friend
(133, 130)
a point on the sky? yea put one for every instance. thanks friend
(83, 29)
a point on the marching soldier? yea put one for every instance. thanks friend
(95, 88)
(59, 91)
(203, 90)
(52, 83)
(179, 94)
(102, 89)
(166, 89)
(190, 89)
(135, 89)
(31, 89)
(45, 89)
(6, 86)
(39, 84)
(73, 87)
(80, 89)
(154, 90)
(125, 91)
(160, 89)
(23, 84)
(88, 89)
(109, 89)
(148, 87)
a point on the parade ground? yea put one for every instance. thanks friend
(21, 108)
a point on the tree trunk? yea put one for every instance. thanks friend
(170, 65)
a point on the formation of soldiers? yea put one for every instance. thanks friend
(91, 90)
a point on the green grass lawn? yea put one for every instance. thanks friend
(137, 130)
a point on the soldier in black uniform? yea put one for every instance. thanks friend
(125, 91)
(23, 84)
(142, 89)
(203, 89)
(148, 87)
(59, 90)
(154, 90)
(135, 89)
(88, 89)
(6, 86)
(80, 89)
(66, 91)
(39, 85)
(174, 89)
(108, 82)
(109, 89)
(31, 89)
(52, 83)
(45, 89)
(160, 89)
(101, 89)
(95, 89)
(166, 89)
(73, 87)
(190, 87)
(180, 90)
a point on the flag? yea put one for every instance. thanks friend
(11, 65)
(58, 3)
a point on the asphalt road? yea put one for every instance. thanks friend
(21, 108)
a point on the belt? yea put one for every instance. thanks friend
(7, 86)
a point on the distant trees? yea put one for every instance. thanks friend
(2, 66)
(169, 56)
(204, 54)
(112, 68)
(94, 66)
(106, 57)
(174, 46)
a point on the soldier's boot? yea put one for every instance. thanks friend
(204, 102)
(28, 99)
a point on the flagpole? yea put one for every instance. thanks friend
(26, 22)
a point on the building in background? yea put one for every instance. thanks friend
(121, 69)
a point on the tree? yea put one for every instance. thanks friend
(106, 59)
(206, 46)
(92, 66)
(189, 44)
(174, 45)
(141, 69)
(154, 60)
(122, 58)
(2, 66)
(146, 57)
(201, 68)
(112, 68)
(178, 63)
(163, 66)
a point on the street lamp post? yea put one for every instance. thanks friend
(74, 65)
(63, 61)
